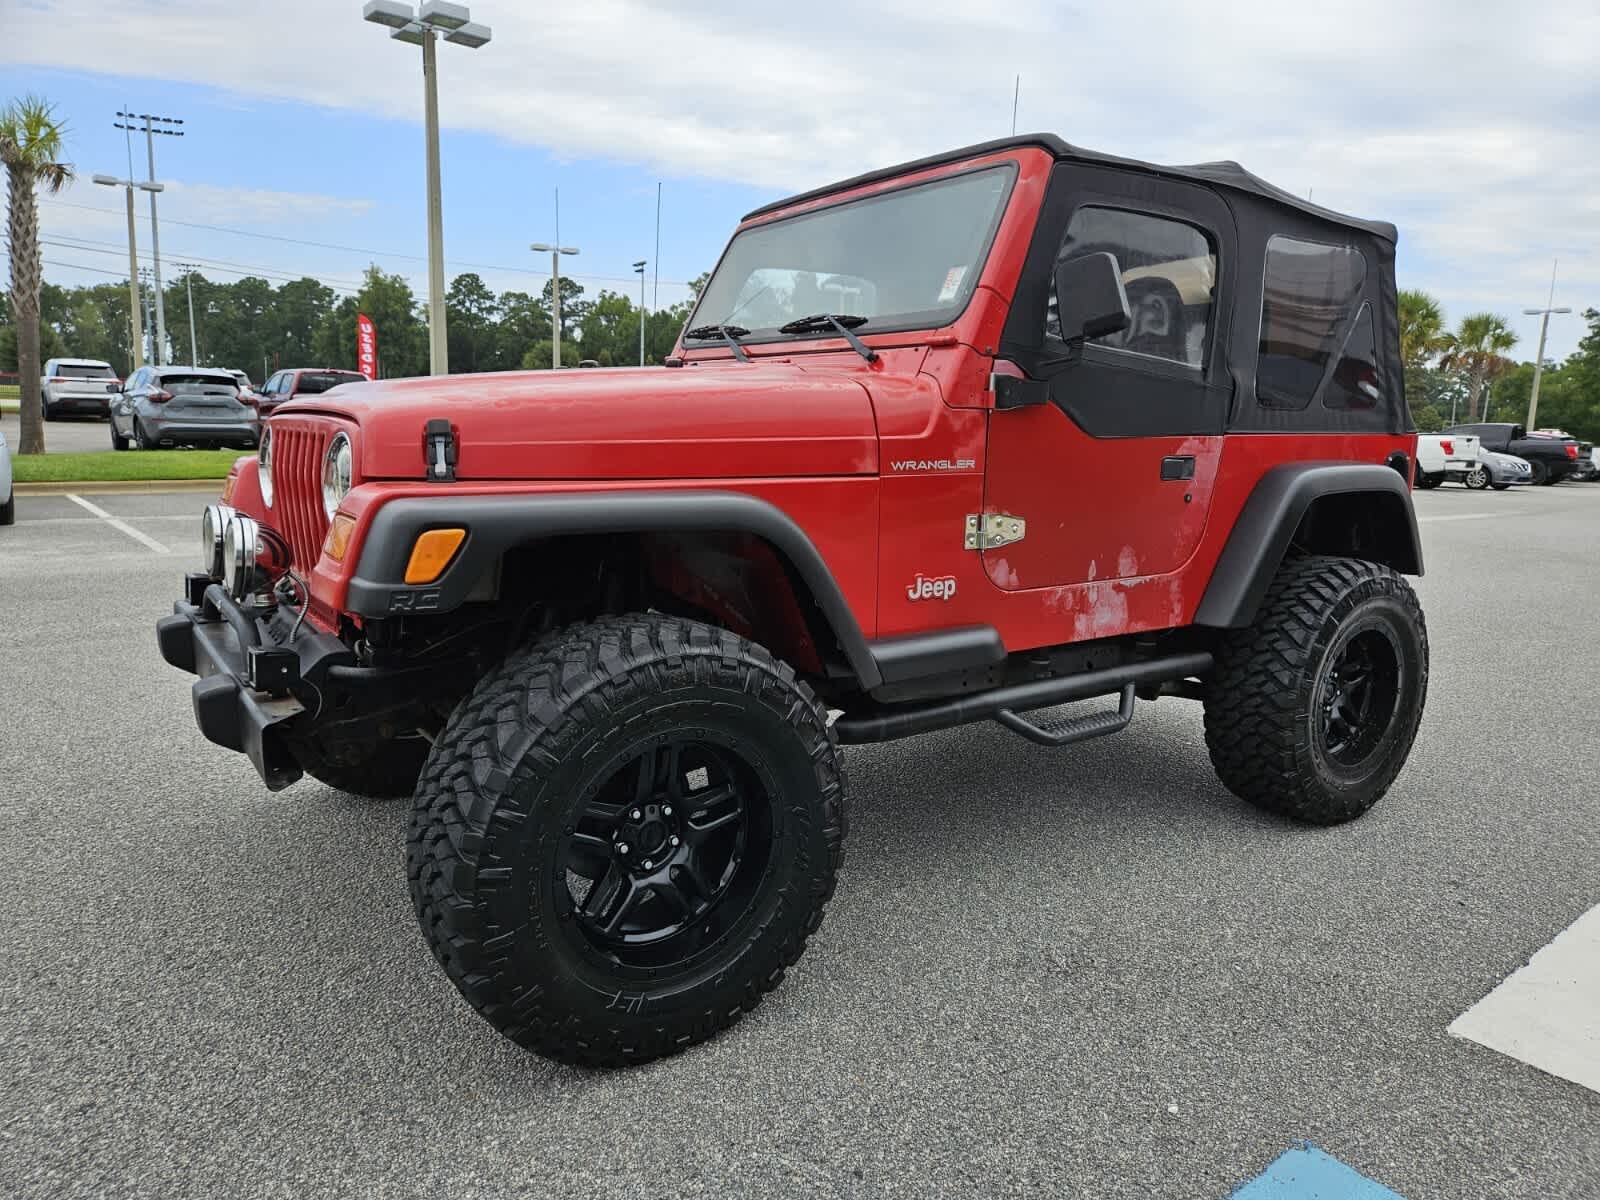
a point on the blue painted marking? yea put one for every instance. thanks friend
(1306, 1173)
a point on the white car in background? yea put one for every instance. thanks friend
(8, 498)
(1442, 456)
(77, 386)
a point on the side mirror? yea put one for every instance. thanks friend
(1090, 296)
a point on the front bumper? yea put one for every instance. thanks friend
(287, 695)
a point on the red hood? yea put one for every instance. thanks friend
(724, 420)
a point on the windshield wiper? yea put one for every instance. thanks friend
(728, 333)
(840, 323)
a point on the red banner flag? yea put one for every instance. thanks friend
(366, 346)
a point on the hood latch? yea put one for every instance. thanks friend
(439, 450)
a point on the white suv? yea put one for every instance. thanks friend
(76, 385)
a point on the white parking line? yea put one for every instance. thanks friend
(119, 525)
(1547, 1013)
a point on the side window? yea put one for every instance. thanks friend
(1308, 294)
(1169, 270)
(275, 383)
(1354, 382)
(286, 383)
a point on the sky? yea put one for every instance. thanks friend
(1471, 125)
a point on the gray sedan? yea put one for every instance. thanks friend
(1498, 471)
(182, 406)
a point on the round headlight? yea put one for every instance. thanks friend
(335, 474)
(264, 458)
(239, 538)
(212, 524)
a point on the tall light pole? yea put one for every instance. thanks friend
(1544, 328)
(135, 326)
(188, 288)
(154, 125)
(639, 270)
(555, 294)
(423, 28)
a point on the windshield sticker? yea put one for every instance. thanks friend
(952, 284)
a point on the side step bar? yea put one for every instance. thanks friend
(904, 721)
(1079, 729)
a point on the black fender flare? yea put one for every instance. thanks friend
(1270, 518)
(495, 524)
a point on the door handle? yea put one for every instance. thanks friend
(1177, 466)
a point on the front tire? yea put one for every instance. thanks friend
(118, 442)
(8, 510)
(624, 836)
(1478, 478)
(1311, 711)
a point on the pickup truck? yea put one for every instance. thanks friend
(1442, 456)
(1552, 458)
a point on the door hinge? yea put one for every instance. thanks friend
(439, 450)
(990, 531)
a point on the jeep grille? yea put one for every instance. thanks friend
(297, 449)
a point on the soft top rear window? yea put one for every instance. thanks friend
(1308, 304)
(313, 382)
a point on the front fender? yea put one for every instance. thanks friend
(498, 523)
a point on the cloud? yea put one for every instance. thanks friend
(1469, 126)
(211, 204)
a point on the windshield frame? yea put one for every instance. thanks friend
(1009, 167)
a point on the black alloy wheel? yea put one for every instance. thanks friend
(624, 836)
(663, 853)
(1358, 697)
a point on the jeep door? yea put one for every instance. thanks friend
(1111, 465)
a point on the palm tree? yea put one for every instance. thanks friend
(1422, 332)
(30, 150)
(1478, 348)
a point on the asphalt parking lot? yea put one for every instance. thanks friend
(65, 435)
(1088, 972)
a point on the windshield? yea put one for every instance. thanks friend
(78, 371)
(905, 259)
(313, 382)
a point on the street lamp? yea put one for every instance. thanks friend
(424, 28)
(136, 328)
(638, 269)
(188, 286)
(150, 132)
(555, 253)
(1538, 362)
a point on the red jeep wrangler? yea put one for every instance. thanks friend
(957, 441)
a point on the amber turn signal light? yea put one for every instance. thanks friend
(432, 554)
(337, 542)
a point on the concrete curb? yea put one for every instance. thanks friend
(112, 487)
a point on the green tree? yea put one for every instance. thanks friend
(402, 336)
(610, 330)
(471, 314)
(1422, 334)
(524, 323)
(31, 145)
(1477, 349)
(573, 306)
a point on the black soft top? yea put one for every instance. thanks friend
(1229, 176)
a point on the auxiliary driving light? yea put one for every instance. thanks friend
(254, 557)
(212, 524)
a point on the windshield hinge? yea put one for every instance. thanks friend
(439, 450)
(990, 531)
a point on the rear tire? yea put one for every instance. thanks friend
(8, 510)
(1312, 710)
(46, 411)
(1541, 473)
(1428, 481)
(146, 442)
(624, 837)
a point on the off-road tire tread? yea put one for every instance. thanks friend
(523, 714)
(1252, 732)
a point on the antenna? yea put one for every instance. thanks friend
(1016, 94)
